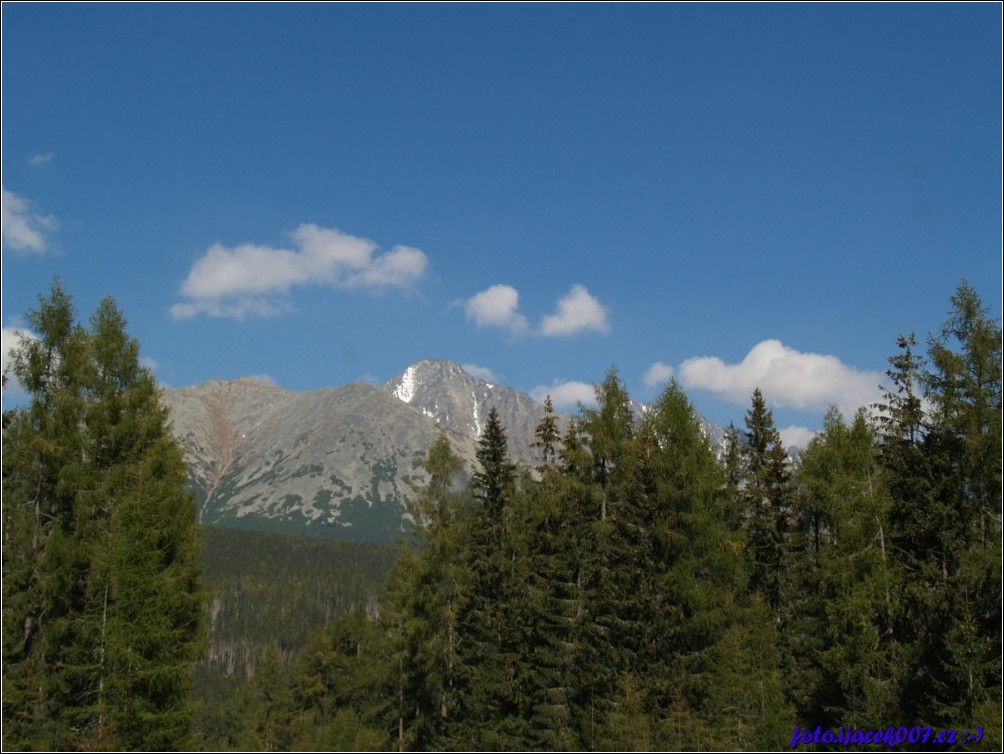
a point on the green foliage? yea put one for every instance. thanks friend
(765, 501)
(102, 603)
(945, 516)
(840, 627)
(548, 436)
(631, 592)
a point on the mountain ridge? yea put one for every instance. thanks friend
(343, 461)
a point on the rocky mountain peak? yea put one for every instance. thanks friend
(444, 392)
(417, 378)
(339, 462)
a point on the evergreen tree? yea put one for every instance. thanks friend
(615, 551)
(746, 706)
(963, 449)
(610, 429)
(102, 544)
(845, 657)
(494, 479)
(422, 596)
(339, 696)
(548, 436)
(265, 708)
(43, 448)
(766, 501)
(694, 572)
(941, 458)
(493, 619)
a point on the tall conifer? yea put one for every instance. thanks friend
(103, 537)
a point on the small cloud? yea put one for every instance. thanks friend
(240, 309)
(23, 228)
(38, 160)
(496, 306)
(788, 378)
(10, 339)
(252, 280)
(482, 373)
(566, 394)
(265, 379)
(577, 311)
(798, 437)
(657, 374)
(147, 363)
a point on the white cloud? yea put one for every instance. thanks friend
(239, 309)
(265, 379)
(657, 374)
(38, 160)
(787, 378)
(251, 280)
(23, 229)
(496, 306)
(401, 267)
(577, 311)
(10, 339)
(483, 373)
(566, 394)
(797, 436)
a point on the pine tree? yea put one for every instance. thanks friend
(103, 544)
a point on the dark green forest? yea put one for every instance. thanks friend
(631, 591)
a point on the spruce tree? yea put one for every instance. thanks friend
(492, 620)
(615, 551)
(846, 659)
(766, 501)
(548, 437)
(695, 567)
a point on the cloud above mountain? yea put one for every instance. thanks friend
(578, 311)
(787, 377)
(566, 395)
(481, 372)
(498, 306)
(657, 374)
(252, 280)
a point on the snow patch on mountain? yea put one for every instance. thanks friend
(405, 389)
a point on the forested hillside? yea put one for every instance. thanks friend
(632, 592)
(271, 592)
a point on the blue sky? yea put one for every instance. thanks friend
(729, 194)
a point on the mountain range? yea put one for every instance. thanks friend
(338, 462)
